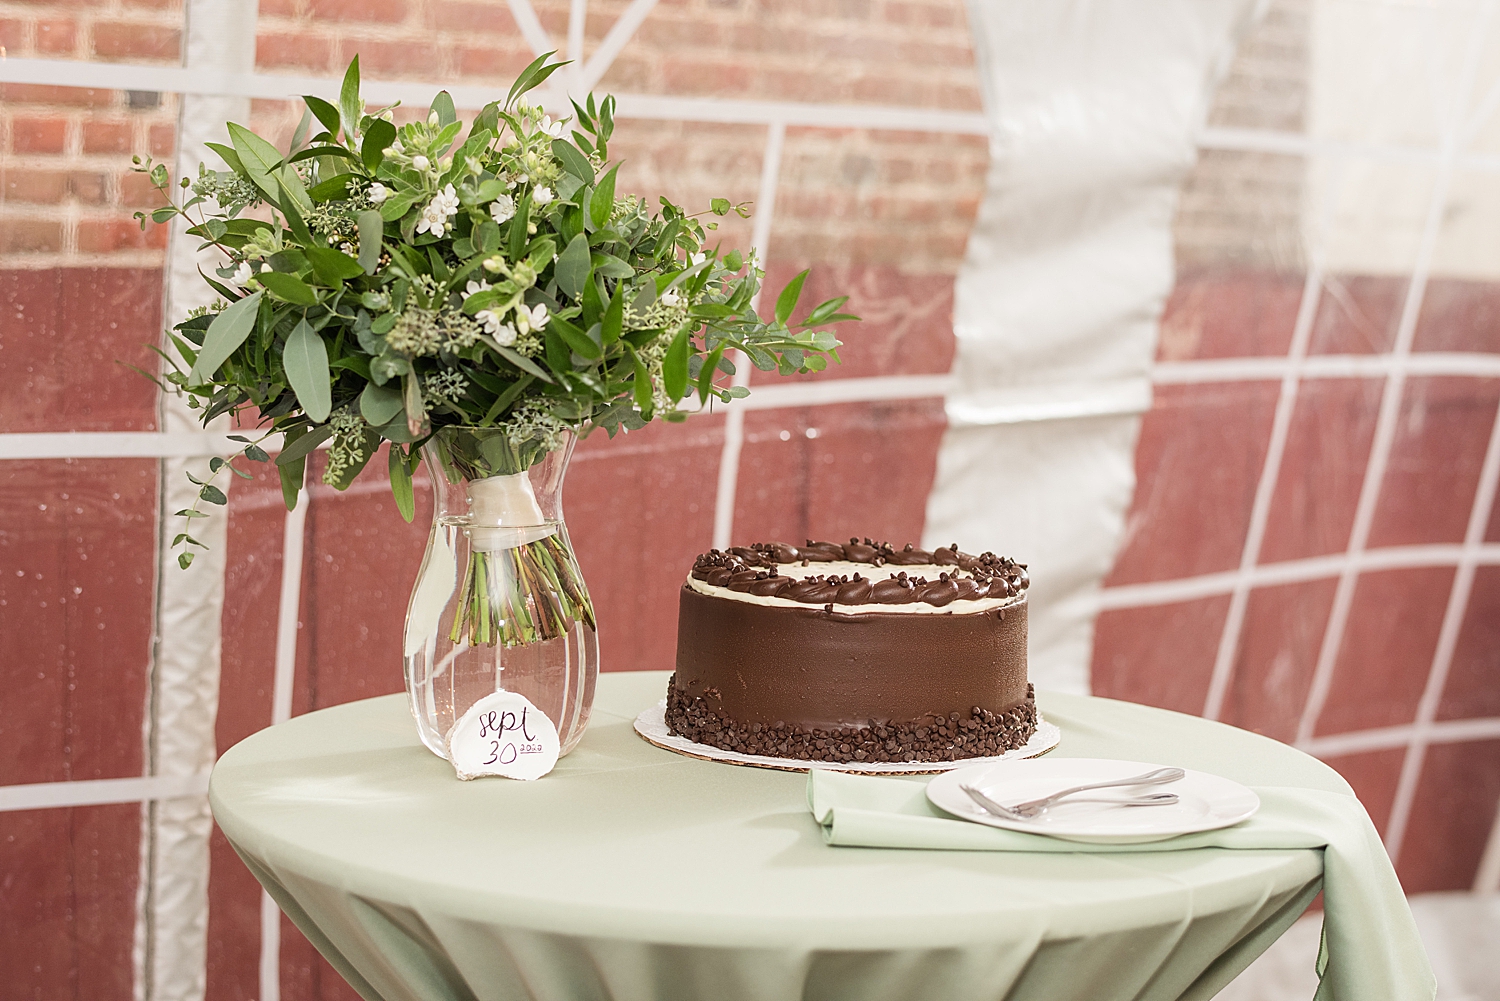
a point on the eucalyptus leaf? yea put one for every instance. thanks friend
(578, 341)
(603, 201)
(288, 288)
(378, 139)
(573, 161)
(486, 237)
(401, 488)
(371, 231)
(674, 368)
(332, 266)
(300, 442)
(229, 156)
(305, 358)
(508, 397)
(259, 158)
(488, 120)
(334, 188)
(642, 385)
(787, 300)
(294, 221)
(532, 76)
(443, 105)
(350, 105)
(706, 373)
(517, 359)
(567, 186)
(397, 430)
(327, 114)
(574, 266)
(379, 405)
(396, 206)
(614, 320)
(227, 332)
(611, 266)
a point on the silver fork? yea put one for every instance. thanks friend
(1034, 807)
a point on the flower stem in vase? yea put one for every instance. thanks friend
(522, 594)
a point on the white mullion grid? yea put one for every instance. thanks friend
(1210, 585)
(531, 29)
(270, 86)
(100, 792)
(1457, 731)
(1265, 491)
(1442, 660)
(578, 13)
(1276, 367)
(1390, 401)
(734, 419)
(1488, 875)
(621, 32)
(154, 444)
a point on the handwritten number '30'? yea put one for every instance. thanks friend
(504, 757)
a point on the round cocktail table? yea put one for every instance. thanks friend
(635, 873)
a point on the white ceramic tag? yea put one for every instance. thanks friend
(503, 734)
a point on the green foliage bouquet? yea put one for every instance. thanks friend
(487, 289)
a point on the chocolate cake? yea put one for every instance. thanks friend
(853, 653)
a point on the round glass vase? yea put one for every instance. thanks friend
(499, 604)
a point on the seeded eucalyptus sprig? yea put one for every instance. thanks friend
(382, 282)
(211, 494)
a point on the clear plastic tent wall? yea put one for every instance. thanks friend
(1192, 309)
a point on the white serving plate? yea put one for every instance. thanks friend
(1205, 802)
(652, 726)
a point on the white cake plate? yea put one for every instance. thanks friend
(652, 726)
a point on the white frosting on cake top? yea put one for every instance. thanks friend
(869, 572)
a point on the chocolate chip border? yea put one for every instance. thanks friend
(983, 734)
(755, 569)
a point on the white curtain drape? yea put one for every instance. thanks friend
(1094, 107)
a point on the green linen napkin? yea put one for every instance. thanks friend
(1370, 947)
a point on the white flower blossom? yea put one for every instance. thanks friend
(378, 193)
(698, 258)
(503, 208)
(551, 128)
(670, 298)
(542, 195)
(503, 333)
(435, 216)
(397, 148)
(534, 319)
(242, 274)
(420, 162)
(433, 119)
(475, 287)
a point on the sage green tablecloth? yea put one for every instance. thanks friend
(634, 873)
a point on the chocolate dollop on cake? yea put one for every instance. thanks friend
(853, 653)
